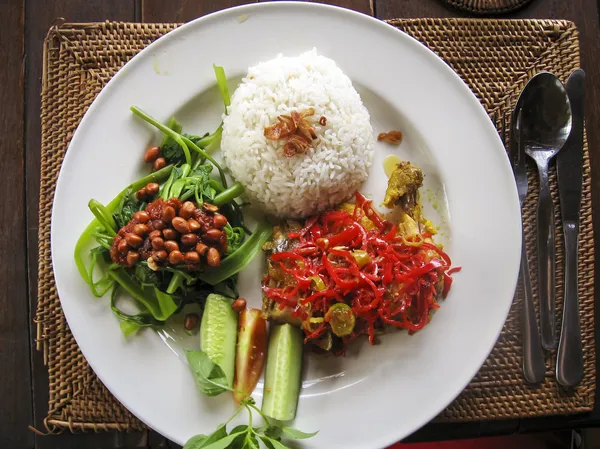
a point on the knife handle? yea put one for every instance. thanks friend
(545, 247)
(534, 365)
(569, 360)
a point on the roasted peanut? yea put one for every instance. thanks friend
(151, 154)
(160, 255)
(201, 249)
(132, 257)
(191, 321)
(155, 234)
(187, 210)
(134, 240)
(191, 257)
(171, 245)
(212, 235)
(175, 257)
(141, 229)
(213, 258)
(170, 234)
(158, 225)
(180, 225)
(189, 239)
(141, 216)
(152, 188)
(219, 221)
(159, 163)
(141, 194)
(239, 304)
(123, 247)
(195, 226)
(158, 243)
(168, 213)
(211, 208)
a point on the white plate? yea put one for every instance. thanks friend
(388, 391)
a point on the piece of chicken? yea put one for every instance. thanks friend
(403, 188)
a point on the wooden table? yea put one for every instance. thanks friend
(23, 25)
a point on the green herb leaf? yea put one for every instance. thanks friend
(209, 376)
(129, 205)
(273, 432)
(297, 434)
(217, 435)
(240, 441)
(272, 443)
(250, 442)
(196, 442)
(223, 443)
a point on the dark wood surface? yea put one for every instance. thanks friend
(23, 26)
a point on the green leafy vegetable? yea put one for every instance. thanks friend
(247, 436)
(210, 378)
(159, 304)
(129, 205)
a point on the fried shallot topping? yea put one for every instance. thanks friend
(295, 130)
(393, 137)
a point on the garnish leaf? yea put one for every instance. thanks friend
(272, 443)
(250, 442)
(196, 442)
(209, 376)
(224, 443)
(273, 432)
(297, 434)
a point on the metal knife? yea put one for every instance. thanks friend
(569, 166)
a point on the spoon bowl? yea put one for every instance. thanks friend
(545, 116)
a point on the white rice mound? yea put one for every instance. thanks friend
(338, 161)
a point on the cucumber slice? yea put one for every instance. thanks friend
(218, 333)
(282, 377)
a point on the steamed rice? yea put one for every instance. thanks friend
(338, 161)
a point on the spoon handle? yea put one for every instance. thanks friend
(534, 365)
(545, 246)
(569, 360)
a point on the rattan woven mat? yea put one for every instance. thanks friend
(494, 57)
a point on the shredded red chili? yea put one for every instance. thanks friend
(385, 278)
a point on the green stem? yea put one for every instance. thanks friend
(166, 130)
(228, 194)
(222, 83)
(103, 216)
(175, 283)
(207, 156)
(263, 416)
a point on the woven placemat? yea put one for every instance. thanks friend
(494, 57)
(487, 6)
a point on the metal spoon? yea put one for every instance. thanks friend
(546, 120)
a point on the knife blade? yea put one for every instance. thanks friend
(569, 166)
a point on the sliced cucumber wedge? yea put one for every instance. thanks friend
(218, 333)
(282, 376)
